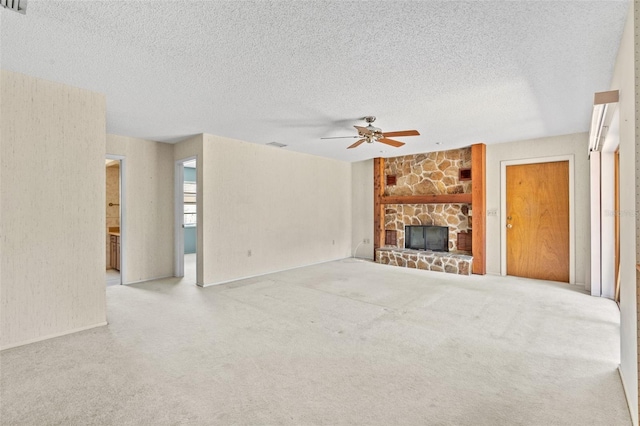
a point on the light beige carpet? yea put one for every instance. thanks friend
(342, 343)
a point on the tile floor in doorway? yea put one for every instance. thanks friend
(113, 277)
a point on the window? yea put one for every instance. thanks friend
(190, 217)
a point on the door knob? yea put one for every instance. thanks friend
(509, 226)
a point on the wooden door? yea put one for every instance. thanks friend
(538, 221)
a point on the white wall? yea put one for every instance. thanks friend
(625, 81)
(52, 197)
(147, 234)
(576, 145)
(288, 209)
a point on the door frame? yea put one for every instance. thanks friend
(616, 217)
(123, 215)
(503, 208)
(179, 214)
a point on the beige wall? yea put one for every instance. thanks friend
(52, 214)
(576, 145)
(362, 208)
(288, 209)
(624, 81)
(147, 210)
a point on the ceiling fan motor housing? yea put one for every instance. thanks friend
(371, 134)
(375, 132)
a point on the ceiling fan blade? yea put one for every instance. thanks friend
(401, 133)
(341, 137)
(363, 130)
(391, 142)
(356, 144)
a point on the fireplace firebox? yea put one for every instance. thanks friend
(423, 237)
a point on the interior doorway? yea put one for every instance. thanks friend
(616, 171)
(186, 219)
(538, 219)
(114, 249)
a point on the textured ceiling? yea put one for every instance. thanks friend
(292, 72)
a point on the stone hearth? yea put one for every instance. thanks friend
(453, 263)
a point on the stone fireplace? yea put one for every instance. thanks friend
(436, 173)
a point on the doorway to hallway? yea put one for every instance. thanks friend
(114, 167)
(186, 206)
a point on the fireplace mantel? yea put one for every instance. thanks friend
(427, 199)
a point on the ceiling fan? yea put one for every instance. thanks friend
(371, 134)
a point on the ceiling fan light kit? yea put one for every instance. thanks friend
(371, 134)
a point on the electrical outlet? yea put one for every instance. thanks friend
(248, 253)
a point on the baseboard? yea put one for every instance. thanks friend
(271, 272)
(151, 279)
(367, 259)
(634, 422)
(52, 336)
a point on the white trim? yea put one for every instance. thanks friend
(275, 272)
(503, 208)
(626, 396)
(179, 214)
(607, 225)
(123, 215)
(178, 235)
(595, 195)
(52, 336)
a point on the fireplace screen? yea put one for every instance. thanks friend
(434, 238)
